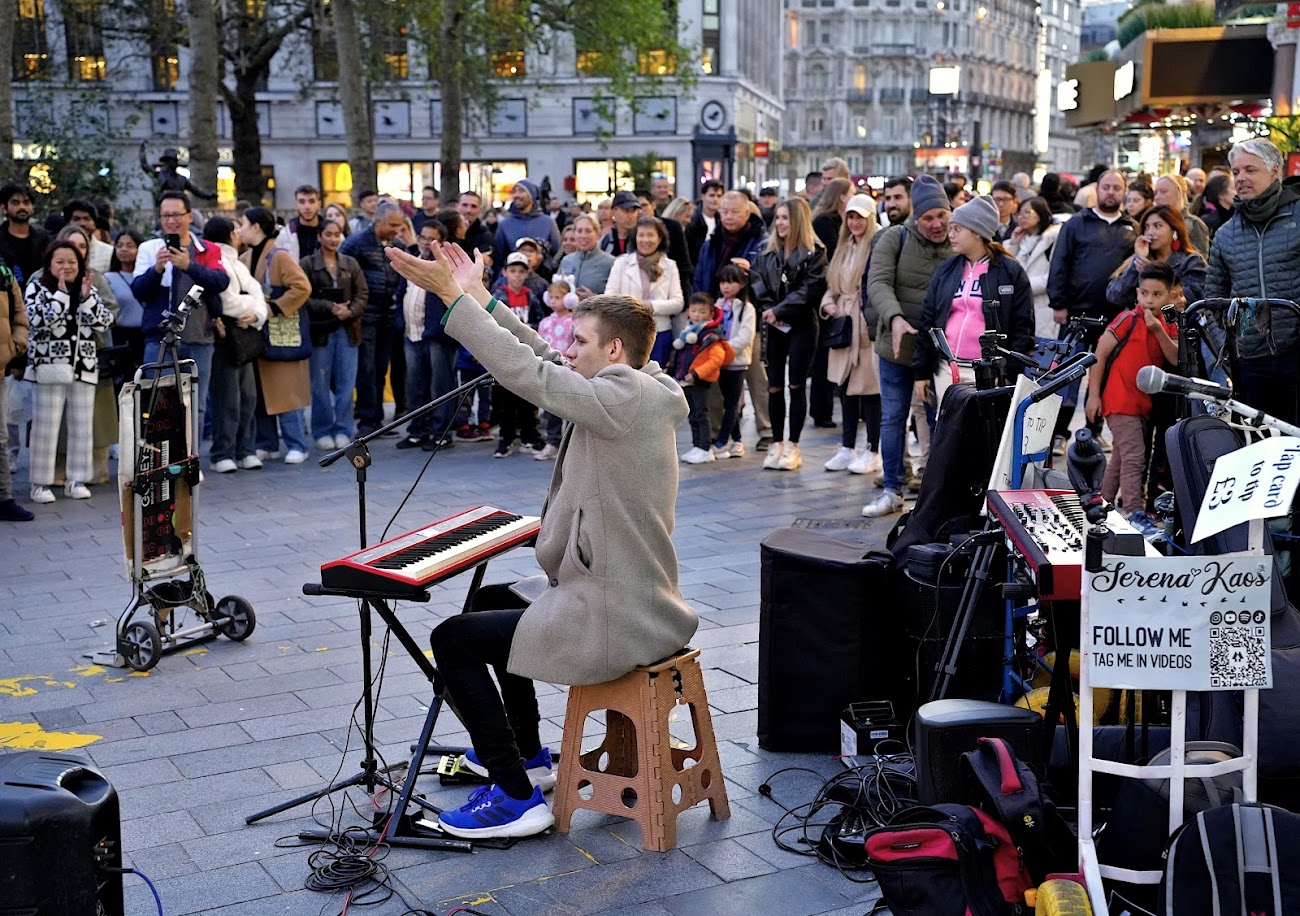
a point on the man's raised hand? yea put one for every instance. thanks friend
(433, 276)
(468, 273)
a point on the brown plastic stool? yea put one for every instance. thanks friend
(636, 772)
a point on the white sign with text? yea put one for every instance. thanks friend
(1257, 481)
(1040, 419)
(1180, 623)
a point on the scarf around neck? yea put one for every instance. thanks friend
(650, 266)
(1262, 208)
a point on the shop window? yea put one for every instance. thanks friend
(510, 64)
(31, 51)
(85, 41)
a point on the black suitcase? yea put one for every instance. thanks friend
(962, 446)
(826, 637)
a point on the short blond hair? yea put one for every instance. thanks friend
(630, 320)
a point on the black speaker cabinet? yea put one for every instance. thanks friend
(929, 614)
(946, 729)
(826, 637)
(59, 826)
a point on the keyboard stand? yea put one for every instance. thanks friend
(399, 829)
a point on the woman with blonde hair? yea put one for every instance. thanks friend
(851, 367)
(680, 209)
(787, 281)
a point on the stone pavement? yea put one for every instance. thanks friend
(220, 731)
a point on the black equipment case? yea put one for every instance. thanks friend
(826, 637)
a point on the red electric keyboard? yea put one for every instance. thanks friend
(1047, 528)
(410, 563)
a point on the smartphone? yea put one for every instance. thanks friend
(172, 240)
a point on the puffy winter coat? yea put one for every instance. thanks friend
(1260, 261)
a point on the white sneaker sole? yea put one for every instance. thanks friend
(541, 777)
(534, 821)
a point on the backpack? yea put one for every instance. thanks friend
(1236, 859)
(1003, 786)
(868, 310)
(948, 860)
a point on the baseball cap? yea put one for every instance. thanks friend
(516, 257)
(527, 241)
(626, 200)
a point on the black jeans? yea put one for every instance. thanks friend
(795, 348)
(502, 726)
(864, 407)
(697, 398)
(372, 368)
(731, 382)
(518, 418)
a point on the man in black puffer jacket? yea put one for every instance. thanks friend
(1257, 254)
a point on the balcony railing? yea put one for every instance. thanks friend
(892, 95)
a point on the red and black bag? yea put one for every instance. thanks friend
(998, 782)
(948, 860)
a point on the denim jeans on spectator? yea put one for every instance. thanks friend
(372, 368)
(292, 426)
(202, 356)
(466, 413)
(430, 373)
(554, 428)
(234, 402)
(895, 401)
(333, 378)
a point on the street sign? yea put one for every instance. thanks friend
(760, 149)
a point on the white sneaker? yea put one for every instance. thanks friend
(887, 503)
(342, 440)
(841, 459)
(75, 490)
(250, 462)
(720, 452)
(295, 457)
(791, 460)
(225, 466)
(267, 456)
(698, 456)
(867, 462)
(42, 495)
(737, 449)
(547, 454)
(326, 443)
(773, 459)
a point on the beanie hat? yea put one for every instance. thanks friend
(533, 191)
(979, 215)
(927, 195)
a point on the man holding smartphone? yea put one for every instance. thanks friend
(165, 270)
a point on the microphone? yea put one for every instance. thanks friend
(1154, 380)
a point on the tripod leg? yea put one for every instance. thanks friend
(970, 600)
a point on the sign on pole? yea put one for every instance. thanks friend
(1258, 481)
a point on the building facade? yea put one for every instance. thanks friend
(859, 75)
(547, 124)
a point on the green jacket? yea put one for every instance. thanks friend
(897, 284)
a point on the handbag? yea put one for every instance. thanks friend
(838, 332)
(287, 337)
(241, 345)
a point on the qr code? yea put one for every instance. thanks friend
(1237, 656)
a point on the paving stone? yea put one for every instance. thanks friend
(619, 884)
(156, 829)
(792, 891)
(205, 891)
(729, 860)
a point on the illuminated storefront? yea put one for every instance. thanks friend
(407, 180)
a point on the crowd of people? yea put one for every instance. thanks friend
(784, 305)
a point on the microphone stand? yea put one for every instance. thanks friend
(370, 775)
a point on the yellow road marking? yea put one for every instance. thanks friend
(30, 736)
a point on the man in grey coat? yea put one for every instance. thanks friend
(609, 599)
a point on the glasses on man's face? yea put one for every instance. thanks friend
(180, 215)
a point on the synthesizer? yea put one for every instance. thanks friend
(412, 562)
(1046, 529)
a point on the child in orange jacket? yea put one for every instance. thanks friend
(699, 353)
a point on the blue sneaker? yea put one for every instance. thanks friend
(490, 813)
(540, 771)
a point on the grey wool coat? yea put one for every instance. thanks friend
(611, 600)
